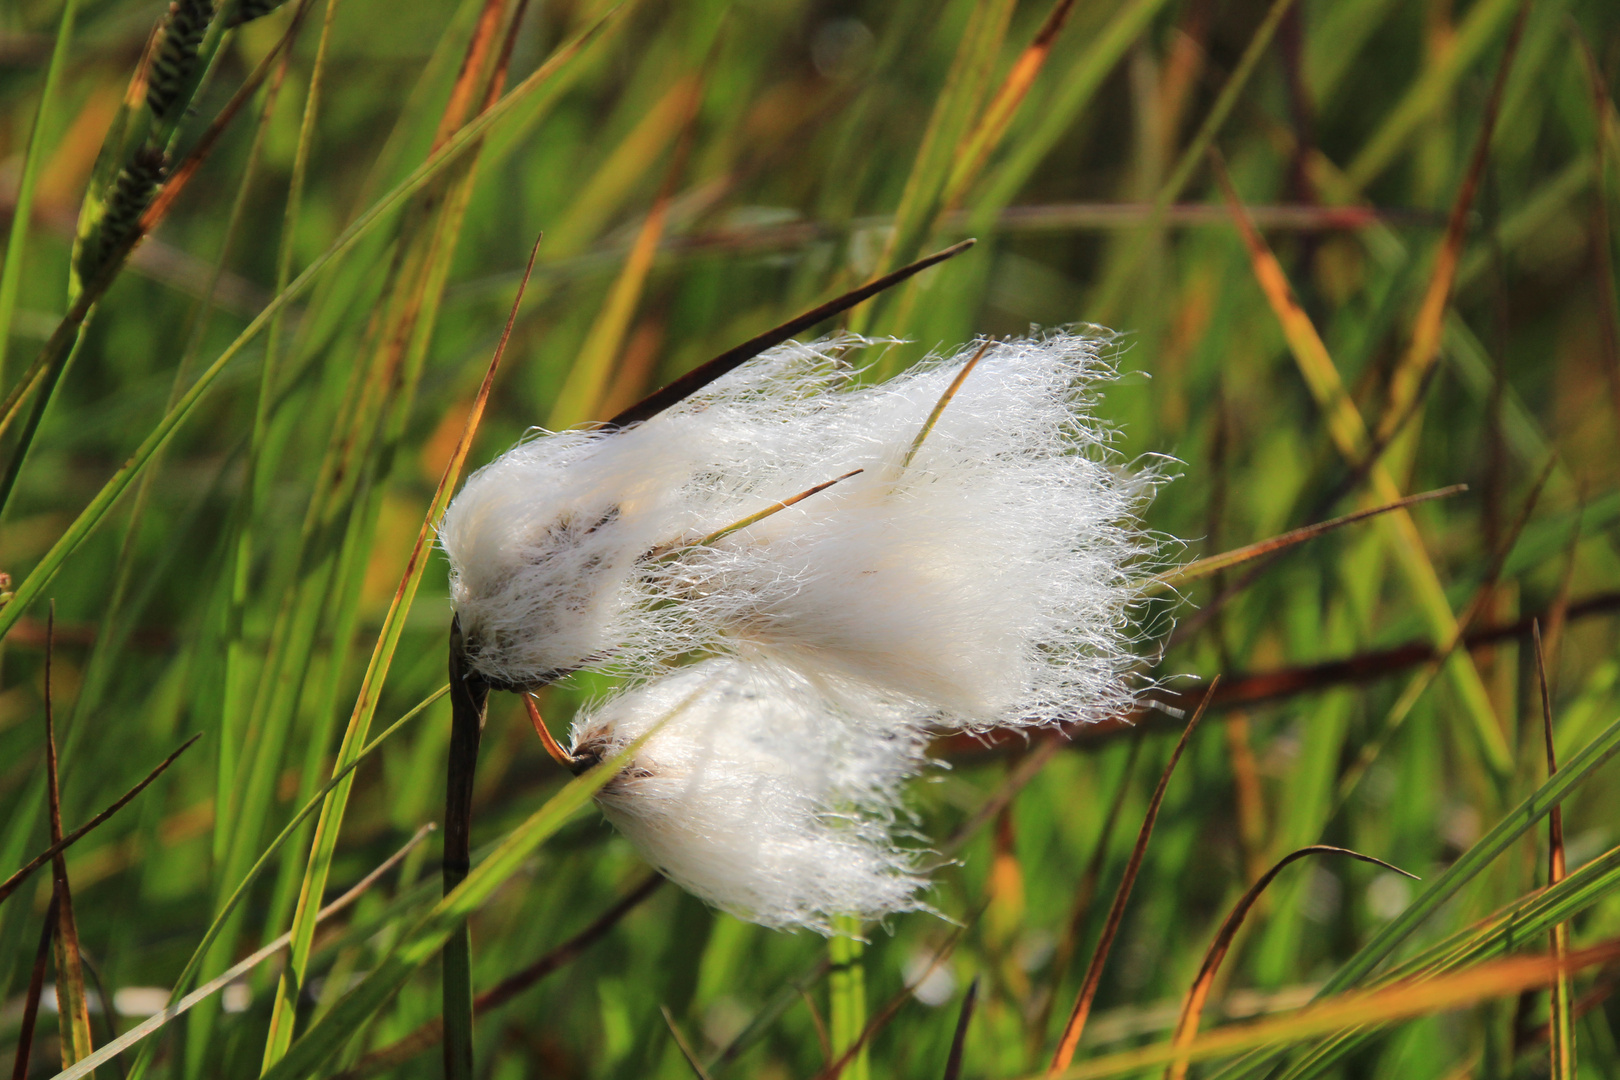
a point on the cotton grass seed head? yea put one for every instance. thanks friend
(762, 793)
(984, 576)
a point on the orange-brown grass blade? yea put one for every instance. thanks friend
(1349, 434)
(1214, 564)
(36, 989)
(682, 1044)
(1560, 1023)
(1343, 1012)
(1116, 915)
(1424, 349)
(774, 508)
(72, 1008)
(9, 886)
(987, 134)
(558, 754)
(953, 1062)
(702, 376)
(944, 400)
(429, 1034)
(587, 383)
(1192, 1008)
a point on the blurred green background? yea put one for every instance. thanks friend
(702, 171)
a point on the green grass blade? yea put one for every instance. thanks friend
(22, 208)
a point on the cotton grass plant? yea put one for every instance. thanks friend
(257, 259)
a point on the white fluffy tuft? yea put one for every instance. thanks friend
(989, 582)
(762, 793)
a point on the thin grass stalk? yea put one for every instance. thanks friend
(1192, 1006)
(1482, 983)
(61, 844)
(1116, 914)
(22, 211)
(431, 1032)
(1560, 1021)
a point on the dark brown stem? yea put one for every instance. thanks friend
(469, 697)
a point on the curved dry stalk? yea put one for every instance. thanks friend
(1192, 1008)
(944, 400)
(1214, 564)
(953, 1063)
(1116, 915)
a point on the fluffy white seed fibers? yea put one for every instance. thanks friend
(988, 582)
(762, 793)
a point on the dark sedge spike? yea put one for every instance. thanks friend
(699, 377)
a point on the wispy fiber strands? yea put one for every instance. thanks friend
(987, 581)
(763, 793)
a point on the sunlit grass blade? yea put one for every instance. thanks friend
(1214, 564)
(226, 909)
(991, 126)
(1349, 433)
(179, 1008)
(331, 819)
(429, 1034)
(355, 1010)
(1192, 1008)
(1416, 998)
(1075, 1027)
(8, 886)
(966, 83)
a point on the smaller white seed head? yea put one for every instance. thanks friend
(764, 794)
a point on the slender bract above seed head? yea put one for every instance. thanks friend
(763, 793)
(988, 582)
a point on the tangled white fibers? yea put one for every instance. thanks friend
(974, 566)
(762, 793)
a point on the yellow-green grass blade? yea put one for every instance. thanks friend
(357, 1008)
(143, 1062)
(1350, 435)
(445, 210)
(33, 586)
